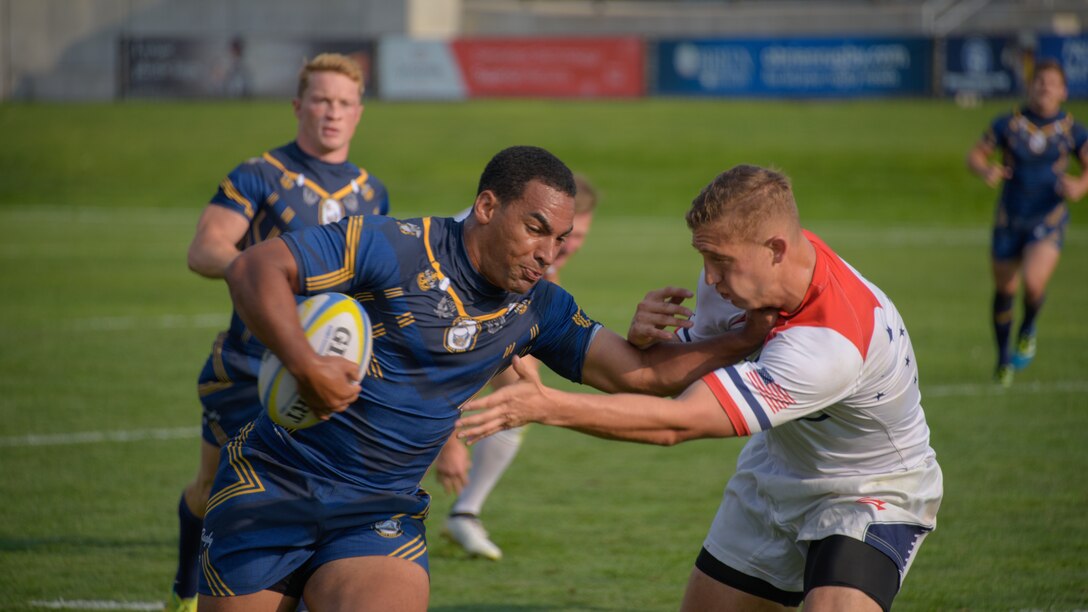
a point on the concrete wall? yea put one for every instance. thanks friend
(68, 49)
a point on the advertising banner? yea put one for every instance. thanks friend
(164, 67)
(796, 68)
(982, 66)
(1072, 52)
(419, 70)
(552, 67)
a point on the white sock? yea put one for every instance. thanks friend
(490, 458)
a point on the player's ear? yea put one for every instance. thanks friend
(778, 246)
(483, 209)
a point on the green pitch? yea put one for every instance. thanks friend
(103, 331)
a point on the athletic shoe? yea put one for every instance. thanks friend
(1004, 375)
(178, 604)
(468, 532)
(1025, 352)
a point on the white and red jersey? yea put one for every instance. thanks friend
(834, 390)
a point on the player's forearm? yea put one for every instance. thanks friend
(211, 260)
(627, 417)
(670, 367)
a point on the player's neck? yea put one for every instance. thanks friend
(797, 276)
(337, 156)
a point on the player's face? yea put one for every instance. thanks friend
(1048, 92)
(574, 241)
(519, 240)
(328, 112)
(740, 270)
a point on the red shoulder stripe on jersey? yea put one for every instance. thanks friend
(837, 299)
(732, 411)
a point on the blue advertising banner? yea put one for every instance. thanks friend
(809, 68)
(980, 65)
(1072, 52)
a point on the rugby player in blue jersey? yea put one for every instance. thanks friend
(335, 512)
(306, 182)
(1037, 142)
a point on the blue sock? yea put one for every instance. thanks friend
(1002, 326)
(1027, 326)
(185, 582)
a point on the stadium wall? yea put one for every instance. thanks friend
(417, 49)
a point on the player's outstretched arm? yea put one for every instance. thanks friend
(215, 243)
(263, 281)
(631, 417)
(614, 365)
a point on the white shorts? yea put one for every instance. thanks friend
(768, 517)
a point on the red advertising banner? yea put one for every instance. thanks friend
(552, 67)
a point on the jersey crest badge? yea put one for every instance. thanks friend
(461, 336)
(331, 210)
(351, 203)
(580, 319)
(410, 229)
(1037, 143)
(427, 279)
(389, 528)
(445, 308)
(310, 196)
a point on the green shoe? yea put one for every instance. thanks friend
(1004, 375)
(1025, 352)
(178, 604)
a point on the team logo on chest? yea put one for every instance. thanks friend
(461, 336)
(1037, 143)
(331, 211)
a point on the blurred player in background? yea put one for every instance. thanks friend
(493, 455)
(837, 486)
(306, 182)
(1037, 142)
(335, 512)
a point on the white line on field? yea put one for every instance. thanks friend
(992, 389)
(96, 437)
(96, 604)
(169, 321)
(176, 433)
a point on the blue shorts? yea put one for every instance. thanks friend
(228, 391)
(269, 524)
(1012, 235)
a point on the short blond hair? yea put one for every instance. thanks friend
(585, 195)
(331, 62)
(742, 199)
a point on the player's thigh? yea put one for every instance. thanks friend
(262, 601)
(196, 494)
(706, 594)
(842, 573)
(1040, 261)
(368, 584)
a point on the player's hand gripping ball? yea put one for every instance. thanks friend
(335, 324)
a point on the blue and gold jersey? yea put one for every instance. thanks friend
(441, 331)
(285, 190)
(1038, 151)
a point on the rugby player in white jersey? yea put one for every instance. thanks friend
(838, 485)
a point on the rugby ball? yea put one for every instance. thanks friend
(335, 324)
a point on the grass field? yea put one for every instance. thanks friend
(103, 331)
